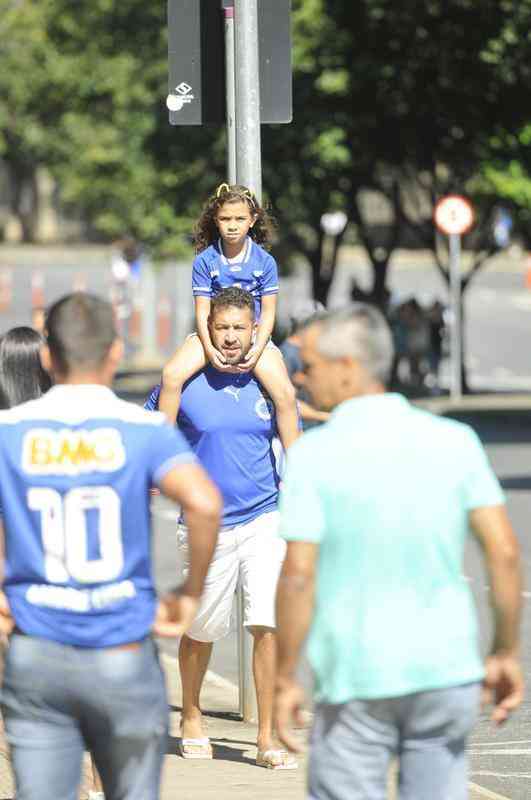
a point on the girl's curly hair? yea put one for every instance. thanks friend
(206, 232)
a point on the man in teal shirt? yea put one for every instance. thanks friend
(376, 507)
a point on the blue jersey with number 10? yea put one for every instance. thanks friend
(76, 466)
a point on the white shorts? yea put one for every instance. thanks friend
(251, 555)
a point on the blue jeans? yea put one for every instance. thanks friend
(353, 743)
(58, 701)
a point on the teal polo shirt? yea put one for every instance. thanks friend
(385, 489)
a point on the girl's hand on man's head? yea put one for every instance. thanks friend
(216, 358)
(250, 361)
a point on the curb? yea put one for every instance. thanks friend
(477, 404)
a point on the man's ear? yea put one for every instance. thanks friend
(46, 359)
(353, 372)
(116, 352)
(348, 362)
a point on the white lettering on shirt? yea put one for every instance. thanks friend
(80, 600)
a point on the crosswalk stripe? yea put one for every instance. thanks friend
(486, 793)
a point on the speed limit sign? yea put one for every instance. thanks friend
(453, 215)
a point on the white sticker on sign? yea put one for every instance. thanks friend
(182, 94)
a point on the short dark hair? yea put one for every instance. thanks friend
(22, 377)
(80, 331)
(233, 296)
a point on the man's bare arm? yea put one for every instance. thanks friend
(493, 530)
(190, 486)
(504, 681)
(295, 598)
(310, 413)
(6, 620)
(294, 611)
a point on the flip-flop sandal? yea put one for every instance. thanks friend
(275, 759)
(195, 748)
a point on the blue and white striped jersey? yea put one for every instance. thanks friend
(76, 466)
(257, 272)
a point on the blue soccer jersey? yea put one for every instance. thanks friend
(230, 425)
(257, 272)
(76, 466)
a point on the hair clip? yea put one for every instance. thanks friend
(223, 188)
(250, 196)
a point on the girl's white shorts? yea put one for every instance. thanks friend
(250, 555)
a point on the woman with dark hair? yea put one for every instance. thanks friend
(22, 377)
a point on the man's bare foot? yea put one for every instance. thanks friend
(276, 758)
(192, 726)
(194, 742)
(265, 742)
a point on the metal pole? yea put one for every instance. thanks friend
(248, 157)
(230, 93)
(244, 679)
(248, 173)
(456, 339)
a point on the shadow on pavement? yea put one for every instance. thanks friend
(231, 753)
(231, 716)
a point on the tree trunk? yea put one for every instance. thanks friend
(379, 287)
(24, 199)
(320, 283)
(324, 270)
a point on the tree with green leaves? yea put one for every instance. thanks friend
(400, 102)
(27, 104)
(82, 90)
(393, 104)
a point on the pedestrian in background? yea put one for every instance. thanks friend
(290, 348)
(436, 320)
(38, 318)
(21, 374)
(376, 507)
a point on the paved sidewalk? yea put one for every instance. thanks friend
(232, 772)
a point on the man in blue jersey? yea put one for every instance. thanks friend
(81, 669)
(230, 424)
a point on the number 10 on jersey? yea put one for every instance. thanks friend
(65, 534)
